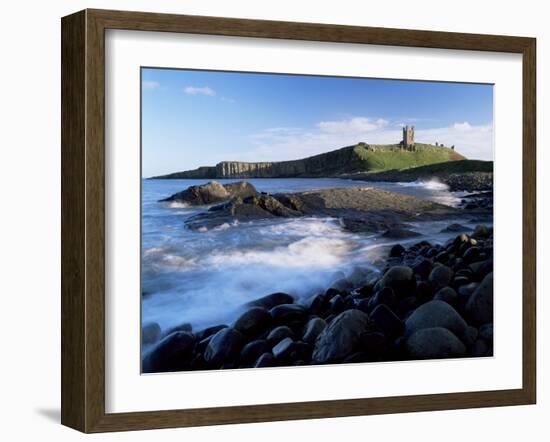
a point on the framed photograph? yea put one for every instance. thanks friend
(269, 220)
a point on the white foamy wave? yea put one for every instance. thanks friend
(306, 227)
(178, 205)
(310, 252)
(433, 184)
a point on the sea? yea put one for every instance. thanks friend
(206, 277)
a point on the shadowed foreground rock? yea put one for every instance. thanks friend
(431, 301)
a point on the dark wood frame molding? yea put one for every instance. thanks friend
(83, 218)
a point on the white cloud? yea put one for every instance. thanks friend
(190, 90)
(150, 84)
(462, 126)
(286, 143)
(356, 125)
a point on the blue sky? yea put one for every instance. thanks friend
(199, 118)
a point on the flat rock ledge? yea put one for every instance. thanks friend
(361, 208)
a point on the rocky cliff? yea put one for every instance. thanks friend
(351, 159)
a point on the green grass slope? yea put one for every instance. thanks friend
(390, 156)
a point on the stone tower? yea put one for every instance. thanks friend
(408, 138)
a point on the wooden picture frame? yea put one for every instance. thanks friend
(83, 219)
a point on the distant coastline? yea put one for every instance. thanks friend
(358, 158)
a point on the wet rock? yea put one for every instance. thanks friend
(265, 360)
(440, 276)
(434, 343)
(400, 233)
(424, 291)
(270, 301)
(471, 255)
(150, 333)
(252, 351)
(481, 268)
(253, 321)
(398, 278)
(287, 313)
(383, 296)
(479, 307)
(396, 251)
(459, 281)
(170, 354)
(317, 304)
(479, 349)
(224, 346)
(209, 331)
(336, 304)
(279, 333)
(374, 344)
(422, 267)
(486, 332)
(455, 227)
(435, 314)
(340, 338)
(185, 326)
(447, 294)
(313, 329)
(469, 336)
(481, 231)
(387, 321)
(282, 349)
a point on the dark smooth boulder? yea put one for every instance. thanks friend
(481, 231)
(400, 279)
(435, 314)
(383, 296)
(336, 304)
(252, 351)
(446, 294)
(486, 332)
(481, 268)
(374, 344)
(223, 347)
(340, 338)
(209, 331)
(283, 348)
(253, 321)
(313, 329)
(397, 251)
(279, 333)
(287, 313)
(479, 349)
(434, 343)
(150, 333)
(265, 360)
(185, 326)
(440, 276)
(469, 336)
(479, 307)
(170, 354)
(317, 304)
(471, 255)
(422, 267)
(387, 321)
(272, 300)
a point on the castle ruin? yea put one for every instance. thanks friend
(408, 138)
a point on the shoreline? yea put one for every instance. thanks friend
(376, 320)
